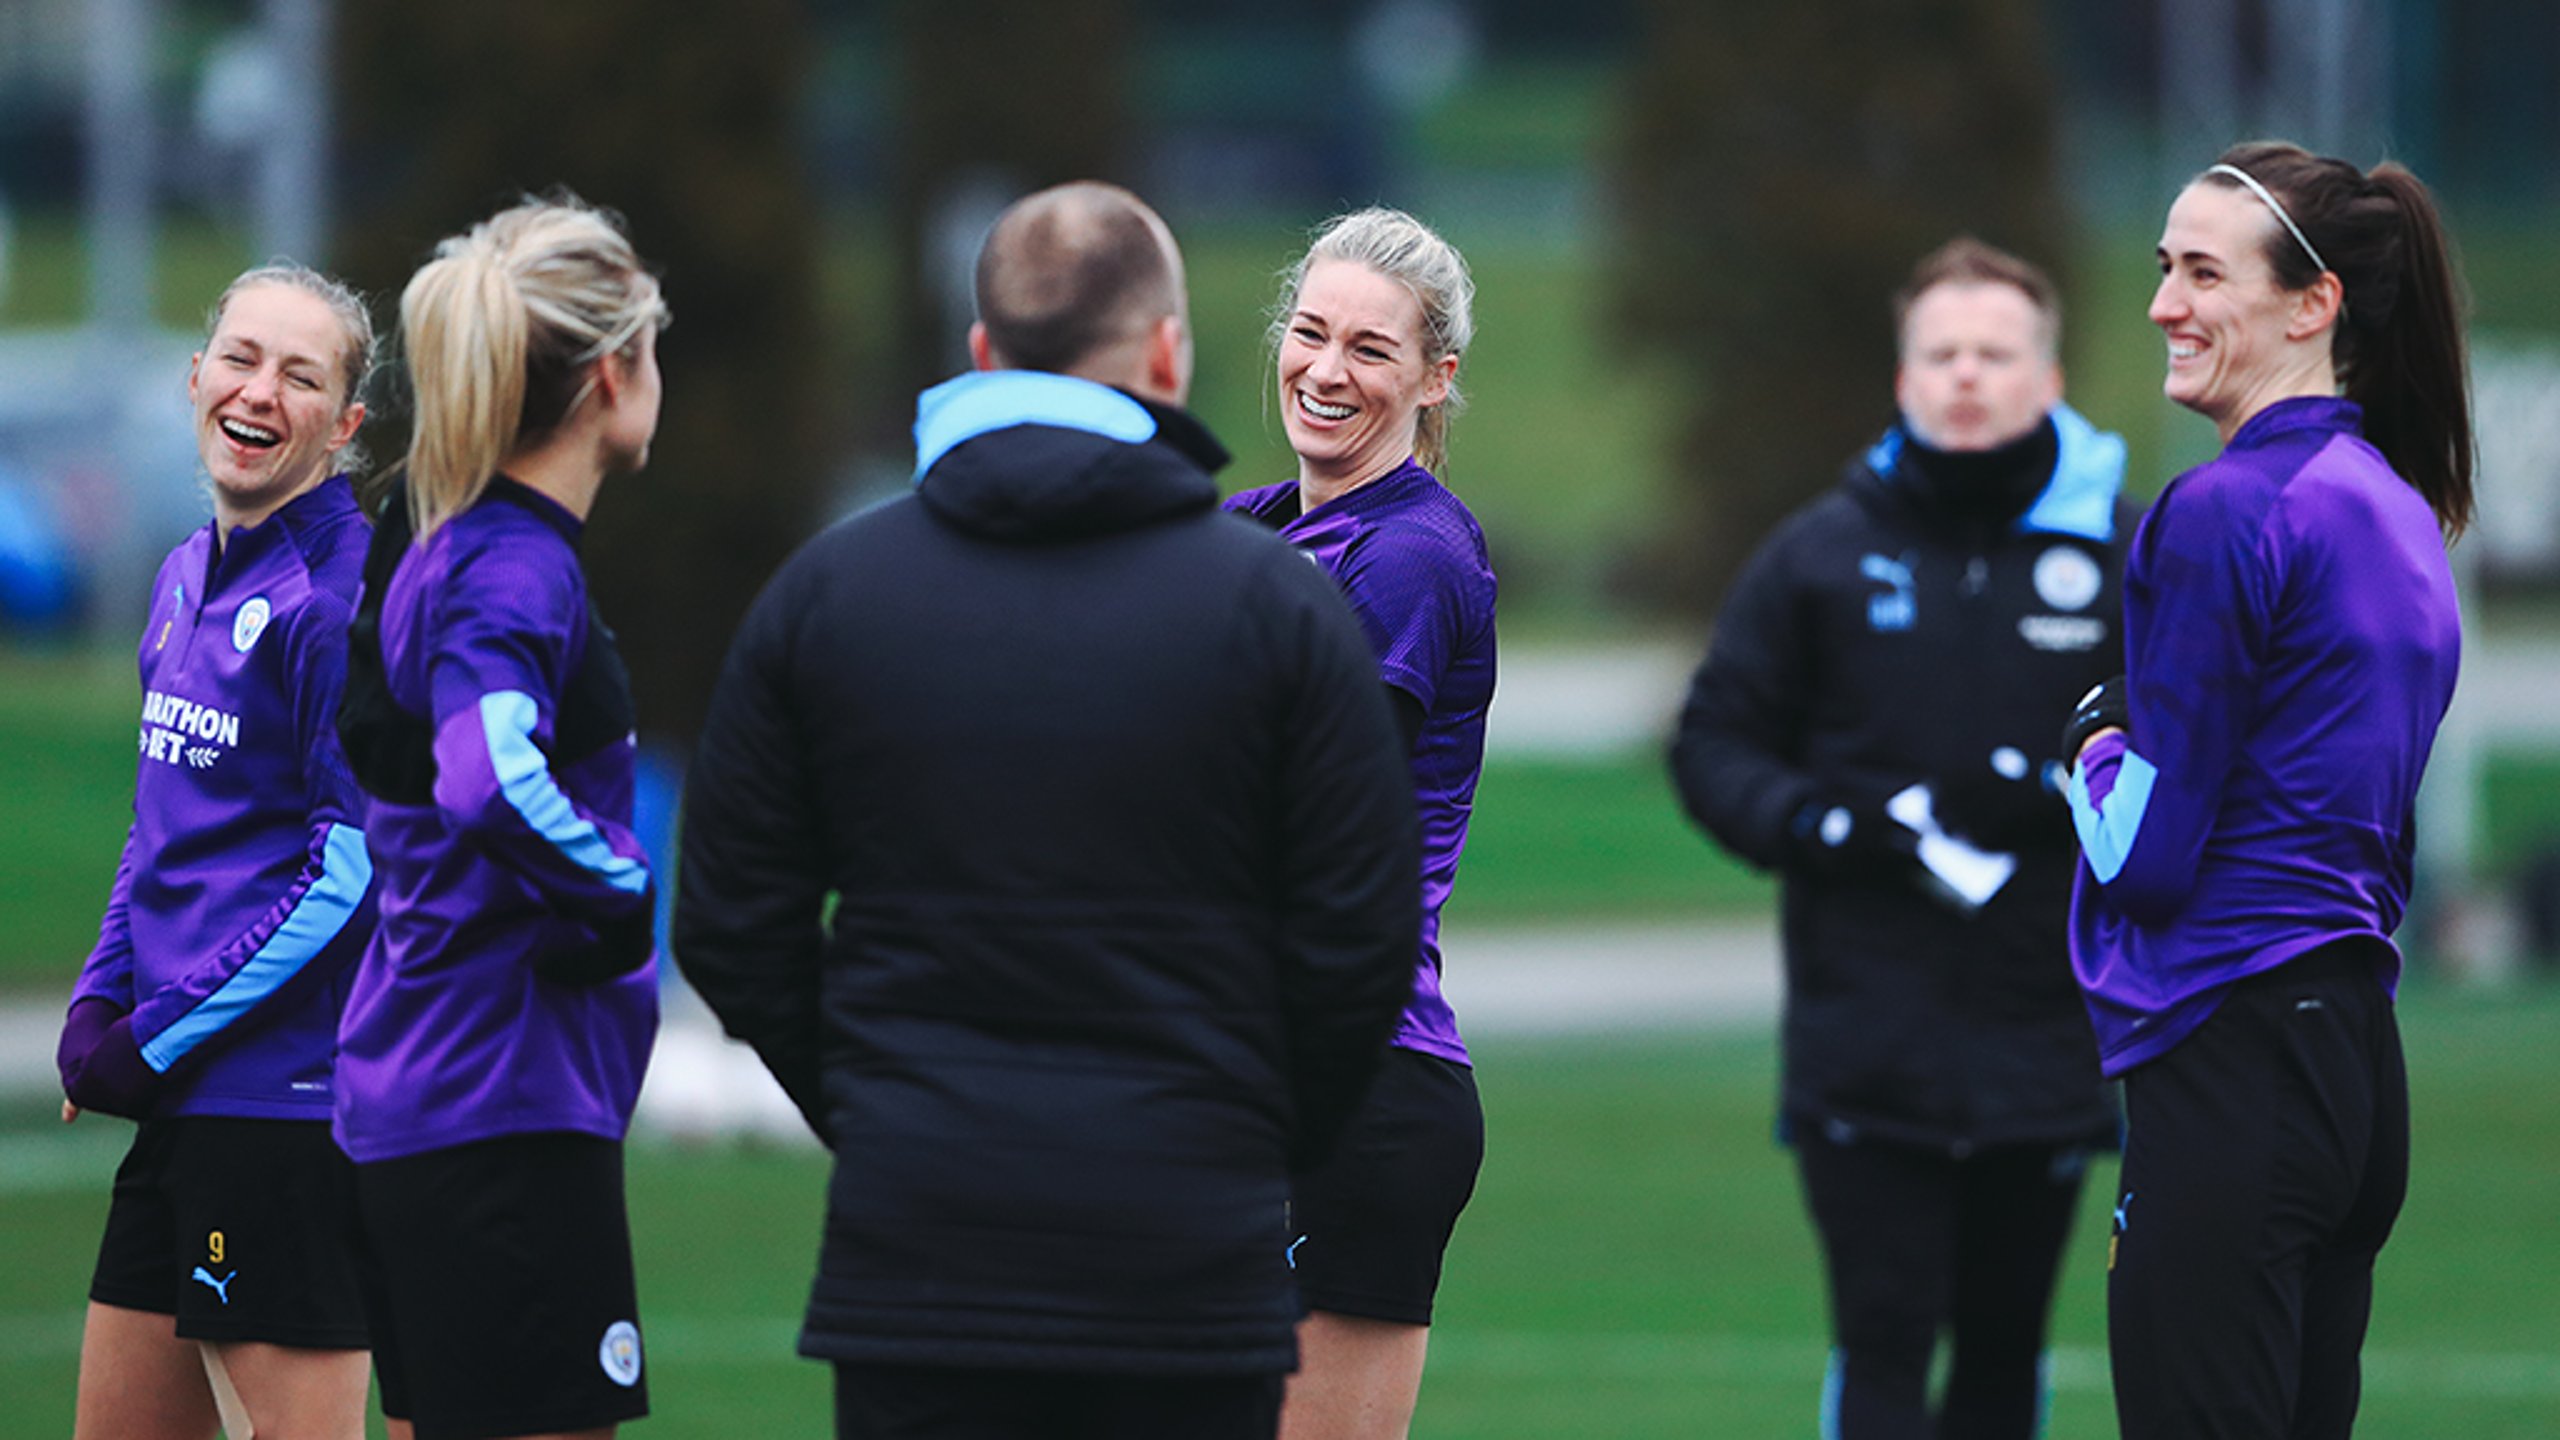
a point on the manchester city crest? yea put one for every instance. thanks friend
(619, 1353)
(2066, 578)
(250, 622)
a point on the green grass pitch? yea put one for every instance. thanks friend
(1635, 1263)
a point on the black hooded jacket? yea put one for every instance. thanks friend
(1928, 621)
(1124, 874)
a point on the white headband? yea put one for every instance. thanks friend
(2261, 191)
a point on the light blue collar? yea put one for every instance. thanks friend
(2088, 474)
(965, 408)
(2080, 499)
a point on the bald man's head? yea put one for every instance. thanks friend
(1071, 273)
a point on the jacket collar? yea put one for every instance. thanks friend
(2088, 475)
(965, 408)
(1076, 458)
(2303, 412)
(2080, 499)
(330, 500)
(509, 490)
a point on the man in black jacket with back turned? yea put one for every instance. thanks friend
(1124, 861)
(1919, 632)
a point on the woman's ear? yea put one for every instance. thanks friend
(2317, 306)
(1435, 384)
(611, 374)
(350, 420)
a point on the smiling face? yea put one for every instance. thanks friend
(1977, 366)
(1354, 375)
(2238, 341)
(268, 390)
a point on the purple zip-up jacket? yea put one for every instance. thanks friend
(244, 891)
(1411, 559)
(450, 1036)
(2291, 639)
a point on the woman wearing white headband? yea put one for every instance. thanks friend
(2245, 795)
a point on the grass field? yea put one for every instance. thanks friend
(1634, 1265)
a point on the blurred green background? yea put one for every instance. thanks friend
(1635, 1263)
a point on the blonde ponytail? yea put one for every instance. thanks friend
(463, 327)
(502, 330)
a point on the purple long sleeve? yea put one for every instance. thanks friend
(2292, 638)
(506, 635)
(244, 888)
(454, 1033)
(108, 972)
(326, 908)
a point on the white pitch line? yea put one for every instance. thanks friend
(1760, 1360)
(82, 1156)
(49, 1337)
(39, 1337)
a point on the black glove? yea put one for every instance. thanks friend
(1994, 812)
(1844, 835)
(2108, 703)
(619, 947)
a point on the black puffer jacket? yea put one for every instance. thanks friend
(1126, 874)
(1890, 634)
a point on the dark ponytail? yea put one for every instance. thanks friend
(2398, 346)
(2414, 381)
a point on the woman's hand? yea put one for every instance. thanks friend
(2094, 738)
(2106, 710)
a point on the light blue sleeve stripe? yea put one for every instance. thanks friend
(2044, 1390)
(346, 872)
(1834, 1379)
(507, 718)
(2107, 832)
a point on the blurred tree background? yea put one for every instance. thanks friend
(1686, 220)
(1040, 98)
(455, 109)
(1782, 167)
(1776, 166)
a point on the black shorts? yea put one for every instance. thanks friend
(1369, 1225)
(911, 1402)
(2266, 1157)
(500, 1287)
(242, 1229)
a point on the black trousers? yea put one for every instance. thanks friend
(2266, 1159)
(1918, 1243)
(913, 1402)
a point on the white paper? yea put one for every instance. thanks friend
(1960, 873)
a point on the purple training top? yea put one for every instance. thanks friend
(2291, 636)
(450, 1036)
(1412, 562)
(244, 891)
